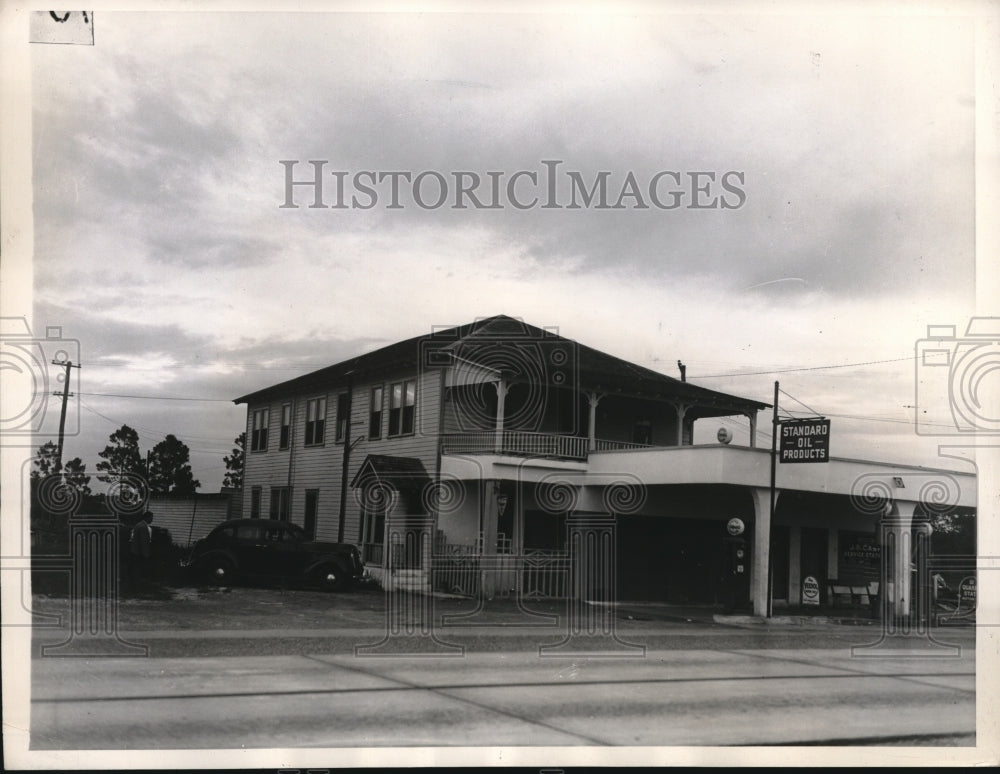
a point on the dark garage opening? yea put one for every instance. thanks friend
(673, 560)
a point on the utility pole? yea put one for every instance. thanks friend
(62, 414)
(346, 461)
(770, 521)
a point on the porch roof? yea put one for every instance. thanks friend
(607, 374)
(597, 371)
(406, 475)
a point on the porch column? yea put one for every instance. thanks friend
(897, 543)
(593, 399)
(795, 565)
(681, 411)
(501, 386)
(488, 503)
(753, 429)
(761, 497)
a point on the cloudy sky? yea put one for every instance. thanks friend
(160, 245)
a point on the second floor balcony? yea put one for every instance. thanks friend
(529, 444)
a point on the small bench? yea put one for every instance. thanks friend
(851, 594)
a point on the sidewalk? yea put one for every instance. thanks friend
(293, 611)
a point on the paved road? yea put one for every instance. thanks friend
(705, 696)
(266, 669)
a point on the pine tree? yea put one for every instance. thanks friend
(44, 463)
(121, 456)
(234, 463)
(169, 468)
(75, 474)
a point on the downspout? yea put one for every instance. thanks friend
(440, 429)
(346, 459)
(291, 450)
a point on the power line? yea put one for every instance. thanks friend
(151, 434)
(153, 397)
(809, 368)
(217, 364)
(788, 394)
(762, 432)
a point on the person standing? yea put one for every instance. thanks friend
(141, 550)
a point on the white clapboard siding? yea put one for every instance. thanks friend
(191, 518)
(320, 467)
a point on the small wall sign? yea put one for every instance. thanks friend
(810, 591)
(735, 527)
(967, 594)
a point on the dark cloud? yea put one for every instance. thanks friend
(157, 182)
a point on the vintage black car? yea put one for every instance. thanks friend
(248, 549)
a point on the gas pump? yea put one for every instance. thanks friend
(736, 567)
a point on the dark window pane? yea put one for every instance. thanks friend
(341, 416)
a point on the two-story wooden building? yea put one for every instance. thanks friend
(498, 431)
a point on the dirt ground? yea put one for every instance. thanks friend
(243, 607)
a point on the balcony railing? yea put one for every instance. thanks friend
(602, 445)
(518, 442)
(568, 447)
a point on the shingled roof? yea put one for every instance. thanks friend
(596, 370)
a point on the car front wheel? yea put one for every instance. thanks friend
(219, 571)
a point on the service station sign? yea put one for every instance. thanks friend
(804, 440)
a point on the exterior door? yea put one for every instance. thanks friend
(373, 536)
(780, 543)
(813, 559)
(312, 507)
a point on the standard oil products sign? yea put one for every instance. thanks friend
(805, 440)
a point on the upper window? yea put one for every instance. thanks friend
(286, 426)
(342, 418)
(375, 414)
(258, 436)
(315, 421)
(402, 400)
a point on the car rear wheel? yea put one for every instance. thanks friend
(219, 571)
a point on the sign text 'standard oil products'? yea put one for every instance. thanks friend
(805, 440)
